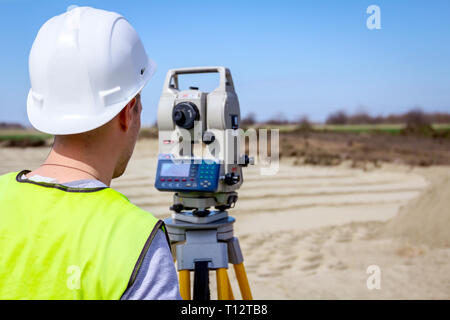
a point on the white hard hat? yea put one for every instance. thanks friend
(85, 66)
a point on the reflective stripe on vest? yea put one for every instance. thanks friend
(67, 243)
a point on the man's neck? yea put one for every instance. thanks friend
(75, 166)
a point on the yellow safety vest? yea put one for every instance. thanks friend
(58, 242)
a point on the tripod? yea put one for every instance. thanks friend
(209, 245)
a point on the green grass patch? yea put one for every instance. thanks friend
(18, 137)
(374, 128)
(441, 126)
(362, 128)
(23, 138)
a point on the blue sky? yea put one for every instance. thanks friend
(295, 57)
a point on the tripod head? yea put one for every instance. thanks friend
(200, 143)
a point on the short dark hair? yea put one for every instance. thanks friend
(138, 98)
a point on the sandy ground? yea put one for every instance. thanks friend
(312, 232)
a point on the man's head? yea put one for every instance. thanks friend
(112, 144)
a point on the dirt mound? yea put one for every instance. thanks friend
(426, 219)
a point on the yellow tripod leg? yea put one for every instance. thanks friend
(230, 290)
(243, 281)
(223, 289)
(185, 284)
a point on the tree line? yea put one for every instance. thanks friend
(340, 117)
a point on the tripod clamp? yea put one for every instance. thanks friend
(207, 239)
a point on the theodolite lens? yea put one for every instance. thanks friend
(185, 114)
(178, 117)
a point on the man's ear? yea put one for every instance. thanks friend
(126, 115)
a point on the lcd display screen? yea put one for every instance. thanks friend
(175, 169)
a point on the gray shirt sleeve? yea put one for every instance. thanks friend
(157, 277)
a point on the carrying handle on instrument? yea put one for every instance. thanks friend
(226, 81)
